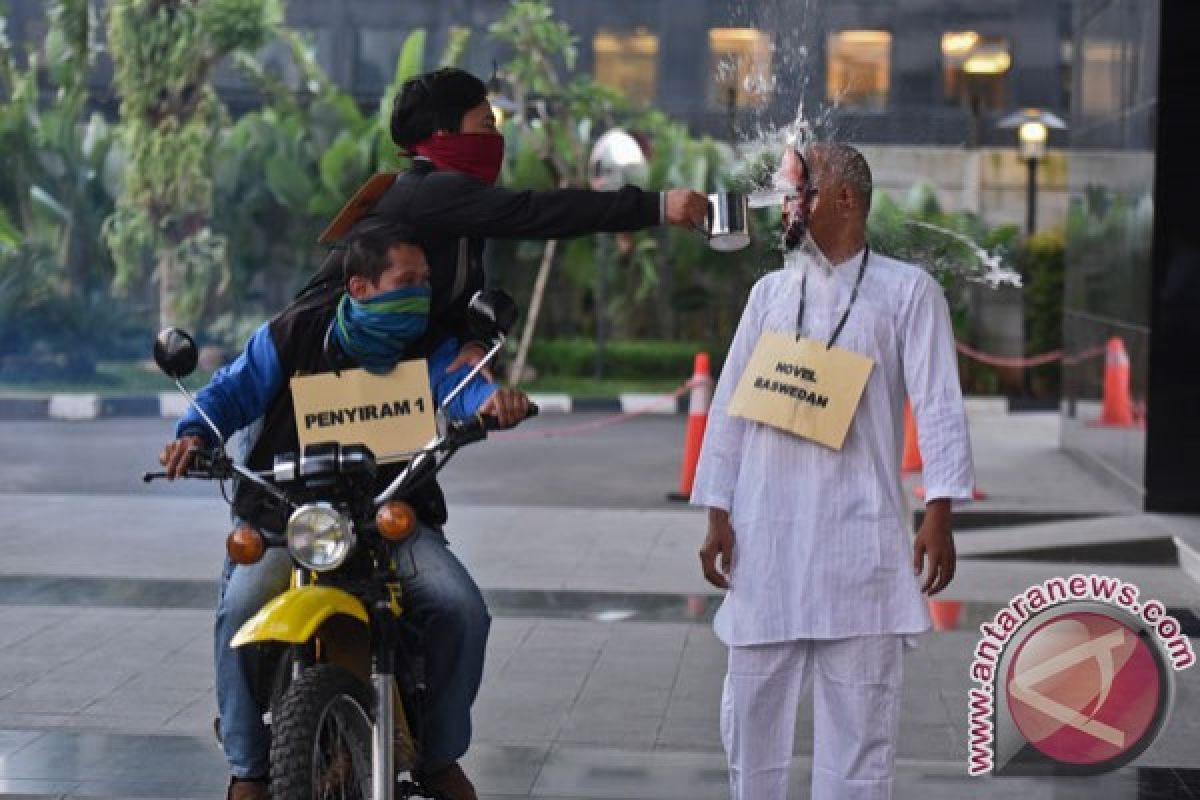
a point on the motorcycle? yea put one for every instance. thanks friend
(341, 668)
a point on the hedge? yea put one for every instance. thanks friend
(623, 360)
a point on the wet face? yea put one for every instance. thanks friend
(480, 119)
(797, 209)
(823, 218)
(836, 209)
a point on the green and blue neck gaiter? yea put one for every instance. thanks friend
(377, 332)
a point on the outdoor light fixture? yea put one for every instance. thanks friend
(974, 69)
(1033, 130)
(1032, 136)
(959, 43)
(987, 60)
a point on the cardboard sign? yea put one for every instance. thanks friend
(801, 387)
(358, 206)
(391, 414)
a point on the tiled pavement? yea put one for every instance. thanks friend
(603, 675)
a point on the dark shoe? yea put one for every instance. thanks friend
(452, 782)
(248, 790)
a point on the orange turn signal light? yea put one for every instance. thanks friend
(245, 545)
(396, 521)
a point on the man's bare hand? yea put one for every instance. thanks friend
(177, 455)
(469, 355)
(686, 208)
(508, 406)
(935, 542)
(718, 546)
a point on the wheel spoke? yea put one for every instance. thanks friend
(340, 765)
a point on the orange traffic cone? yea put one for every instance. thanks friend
(911, 461)
(701, 396)
(946, 614)
(1118, 403)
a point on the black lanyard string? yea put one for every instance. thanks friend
(862, 268)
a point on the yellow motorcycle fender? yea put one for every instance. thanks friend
(295, 615)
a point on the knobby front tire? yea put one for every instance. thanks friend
(321, 738)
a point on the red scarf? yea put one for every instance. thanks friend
(479, 155)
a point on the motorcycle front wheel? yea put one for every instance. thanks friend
(321, 738)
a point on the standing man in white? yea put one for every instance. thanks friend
(811, 542)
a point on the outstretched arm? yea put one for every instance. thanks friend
(456, 204)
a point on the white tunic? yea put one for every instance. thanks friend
(822, 547)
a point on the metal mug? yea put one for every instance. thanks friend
(727, 225)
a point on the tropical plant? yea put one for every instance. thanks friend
(1109, 235)
(1043, 262)
(556, 123)
(56, 317)
(958, 249)
(283, 172)
(164, 54)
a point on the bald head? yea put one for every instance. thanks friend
(836, 165)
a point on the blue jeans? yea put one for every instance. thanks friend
(439, 595)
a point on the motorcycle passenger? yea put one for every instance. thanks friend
(379, 321)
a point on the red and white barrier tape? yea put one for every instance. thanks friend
(673, 396)
(1024, 362)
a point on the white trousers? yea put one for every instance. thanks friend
(856, 688)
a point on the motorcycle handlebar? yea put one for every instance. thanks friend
(492, 423)
(213, 465)
(206, 464)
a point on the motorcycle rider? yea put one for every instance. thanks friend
(379, 320)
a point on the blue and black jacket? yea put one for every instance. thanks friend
(257, 385)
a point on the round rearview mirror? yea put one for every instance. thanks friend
(175, 352)
(491, 312)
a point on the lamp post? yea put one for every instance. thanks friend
(1033, 129)
(616, 160)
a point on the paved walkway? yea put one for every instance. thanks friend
(603, 674)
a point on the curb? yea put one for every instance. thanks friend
(85, 406)
(82, 407)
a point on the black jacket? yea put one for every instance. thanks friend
(453, 213)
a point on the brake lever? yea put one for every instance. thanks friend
(204, 466)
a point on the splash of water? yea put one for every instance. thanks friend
(989, 269)
(760, 144)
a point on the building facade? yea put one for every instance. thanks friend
(1131, 328)
(928, 72)
(1107, 286)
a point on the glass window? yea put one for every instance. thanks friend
(378, 49)
(278, 60)
(859, 69)
(741, 67)
(1105, 84)
(975, 70)
(628, 62)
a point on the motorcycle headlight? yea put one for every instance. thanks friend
(319, 537)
